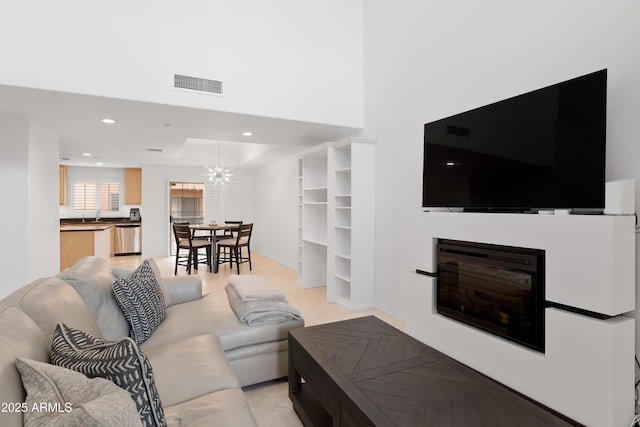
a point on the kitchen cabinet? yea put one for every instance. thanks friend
(82, 240)
(63, 184)
(112, 238)
(132, 186)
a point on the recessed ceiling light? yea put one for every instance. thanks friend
(247, 133)
(108, 121)
(451, 163)
(99, 163)
(87, 154)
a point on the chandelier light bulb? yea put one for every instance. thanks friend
(219, 174)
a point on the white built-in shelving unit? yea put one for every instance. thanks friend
(300, 223)
(312, 216)
(337, 221)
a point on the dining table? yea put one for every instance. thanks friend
(213, 229)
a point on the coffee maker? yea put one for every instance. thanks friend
(134, 215)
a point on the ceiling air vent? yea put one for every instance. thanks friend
(197, 84)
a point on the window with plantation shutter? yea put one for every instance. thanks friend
(90, 196)
(85, 196)
(109, 197)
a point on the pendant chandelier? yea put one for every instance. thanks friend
(219, 174)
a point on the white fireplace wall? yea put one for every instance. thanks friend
(425, 60)
(587, 370)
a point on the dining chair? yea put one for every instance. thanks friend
(228, 234)
(185, 241)
(234, 245)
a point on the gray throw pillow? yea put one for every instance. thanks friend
(59, 396)
(142, 301)
(92, 278)
(122, 362)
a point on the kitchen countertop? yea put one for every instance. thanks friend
(87, 227)
(101, 221)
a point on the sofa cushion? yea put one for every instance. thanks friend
(258, 363)
(184, 288)
(190, 367)
(19, 336)
(70, 398)
(49, 301)
(141, 300)
(183, 320)
(234, 334)
(119, 361)
(223, 408)
(188, 319)
(92, 277)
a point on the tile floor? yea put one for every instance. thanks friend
(269, 401)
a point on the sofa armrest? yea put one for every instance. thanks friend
(184, 288)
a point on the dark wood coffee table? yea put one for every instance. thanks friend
(365, 372)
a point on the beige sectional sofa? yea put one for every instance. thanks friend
(200, 354)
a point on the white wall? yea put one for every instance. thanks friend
(14, 175)
(428, 60)
(29, 218)
(276, 231)
(43, 189)
(155, 202)
(285, 59)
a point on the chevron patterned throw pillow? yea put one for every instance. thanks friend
(141, 299)
(119, 361)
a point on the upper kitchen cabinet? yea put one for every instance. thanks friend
(133, 186)
(63, 185)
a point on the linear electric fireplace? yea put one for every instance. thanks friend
(499, 289)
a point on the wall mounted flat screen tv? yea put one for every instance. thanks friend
(541, 150)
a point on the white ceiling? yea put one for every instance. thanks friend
(186, 136)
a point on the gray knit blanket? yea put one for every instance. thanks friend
(254, 288)
(258, 312)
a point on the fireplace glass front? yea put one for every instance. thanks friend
(499, 289)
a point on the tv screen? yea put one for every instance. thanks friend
(541, 150)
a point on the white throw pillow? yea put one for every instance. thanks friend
(60, 396)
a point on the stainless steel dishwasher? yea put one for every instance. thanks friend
(128, 239)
